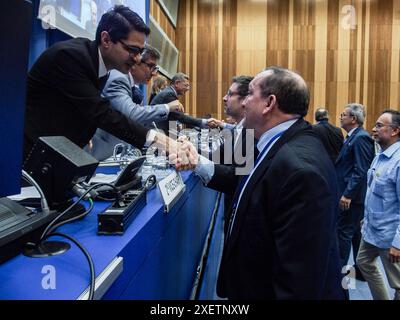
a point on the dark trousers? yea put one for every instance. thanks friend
(349, 231)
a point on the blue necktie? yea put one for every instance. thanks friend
(137, 95)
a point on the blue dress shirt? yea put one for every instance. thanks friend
(381, 226)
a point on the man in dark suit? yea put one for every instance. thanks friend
(352, 166)
(281, 242)
(234, 152)
(119, 91)
(64, 85)
(331, 136)
(179, 86)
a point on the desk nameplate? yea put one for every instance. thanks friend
(171, 188)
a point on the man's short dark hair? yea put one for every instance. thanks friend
(321, 114)
(179, 77)
(150, 53)
(243, 84)
(395, 117)
(119, 22)
(290, 89)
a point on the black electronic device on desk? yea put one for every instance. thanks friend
(18, 225)
(128, 179)
(57, 165)
(119, 215)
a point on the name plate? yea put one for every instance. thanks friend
(171, 188)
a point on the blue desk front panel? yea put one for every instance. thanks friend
(160, 252)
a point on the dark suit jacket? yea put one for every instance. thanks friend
(331, 137)
(243, 155)
(283, 242)
(352, 165)
(63, 98)
(166, 96)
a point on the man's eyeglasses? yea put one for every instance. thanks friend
(133, 50)
(379, 125)
(152, 67)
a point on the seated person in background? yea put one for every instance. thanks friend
(159, 83)
(119, 89)
(64, 85)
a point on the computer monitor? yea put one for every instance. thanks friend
(14, 55)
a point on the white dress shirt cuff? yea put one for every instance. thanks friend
(205, 169)
(167, 107)
(229, 126)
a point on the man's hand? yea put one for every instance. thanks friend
(165, 143)
(394, 255)
(176, 106)
(186, 157)
(215, 123)
(344, 203)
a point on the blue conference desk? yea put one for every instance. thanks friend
(160, 253)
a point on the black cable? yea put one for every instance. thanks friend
(73, 218)
(87, 255)
(75, 203)
(105, 199)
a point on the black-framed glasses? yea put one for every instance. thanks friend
(133, 50)
(379, 125)
(151, 66)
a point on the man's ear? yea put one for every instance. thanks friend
(105, 40)
(395, 132)
(270, 104)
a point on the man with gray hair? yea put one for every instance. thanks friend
(351, 168)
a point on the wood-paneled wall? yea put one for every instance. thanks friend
(347, 50)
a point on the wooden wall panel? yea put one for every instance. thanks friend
(347, 50)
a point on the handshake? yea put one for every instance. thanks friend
(185, 156)
(182, 153)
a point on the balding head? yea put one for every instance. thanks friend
(290, 89)
(321, 114)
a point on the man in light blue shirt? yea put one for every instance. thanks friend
(381, 227)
